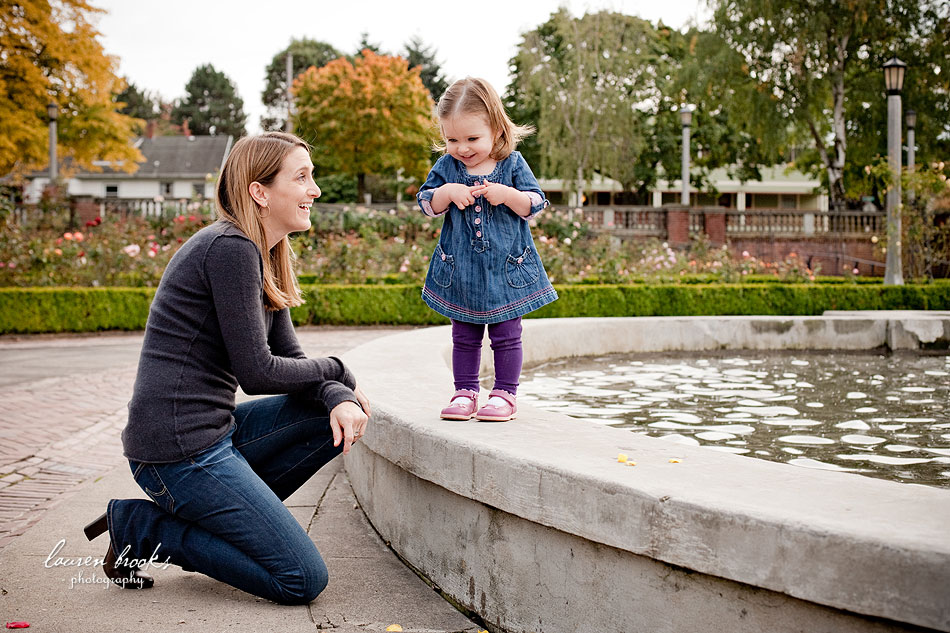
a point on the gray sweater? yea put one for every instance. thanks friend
(208, 332)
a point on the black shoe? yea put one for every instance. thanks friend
(97, 527)
(121, 574)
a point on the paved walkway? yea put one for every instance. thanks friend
(62, 408)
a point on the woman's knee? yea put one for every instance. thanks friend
(302, 585)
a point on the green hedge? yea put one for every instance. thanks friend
(33, 310)
(738, 299)
(361, 305)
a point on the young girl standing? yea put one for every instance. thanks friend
(485, 269)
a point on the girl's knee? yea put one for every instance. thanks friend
(506, 333)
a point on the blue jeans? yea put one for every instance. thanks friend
(220, 512)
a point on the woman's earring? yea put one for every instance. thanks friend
(263, 209)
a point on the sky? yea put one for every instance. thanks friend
(160, 43)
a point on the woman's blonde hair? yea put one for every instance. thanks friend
(259, 159)
(476, 96)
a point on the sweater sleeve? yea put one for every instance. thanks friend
(233, 272)
(283, 341)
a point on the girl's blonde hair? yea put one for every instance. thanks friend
(259, 159)
(476, 96)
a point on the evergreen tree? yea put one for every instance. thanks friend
(423, 57)
(211, 104)
(365, 44)
(137, 104)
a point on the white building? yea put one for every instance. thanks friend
(175, 168)
(781, 187)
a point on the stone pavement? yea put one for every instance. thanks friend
(62, 407)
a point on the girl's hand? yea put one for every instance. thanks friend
(459, 194)
(493, 192)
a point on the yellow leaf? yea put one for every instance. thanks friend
(631, 463)
(674, 460)
(393, 627)
(622, 458)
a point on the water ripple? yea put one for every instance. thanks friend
(753, 404)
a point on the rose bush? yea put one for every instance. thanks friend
(355, 245)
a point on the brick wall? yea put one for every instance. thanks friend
(677, 226)
(835, 258)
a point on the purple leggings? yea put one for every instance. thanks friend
(467, 353)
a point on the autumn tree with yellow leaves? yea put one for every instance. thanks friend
(49, 52)
(369, 116)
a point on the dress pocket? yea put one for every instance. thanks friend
(148, 479)
(522, 270)
(443, 267)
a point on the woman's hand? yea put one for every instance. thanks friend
(348, 420)
(364, 402)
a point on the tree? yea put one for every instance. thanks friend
(369, 116)
(423, 57)
(306, 53)
(735, 124)
(926, 91)
(50, 52)
(211, 104)
(804, 53)
(593, 86)
(137, 104)
(365, 44)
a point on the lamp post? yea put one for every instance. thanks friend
(911, 119)
(894, 82)
(686, 118)
(52, 111)
(289, 125)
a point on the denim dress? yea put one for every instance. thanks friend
(485, 268)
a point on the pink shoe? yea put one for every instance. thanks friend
(499, 413)
(464, 410)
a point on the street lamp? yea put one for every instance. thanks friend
(289, 125)
(911, 119)
(52, 111)
(894, 82)
(686, 118)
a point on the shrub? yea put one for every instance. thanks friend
(88, 309)
(35, 310)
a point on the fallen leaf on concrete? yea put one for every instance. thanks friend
(622, 458)
(18, 625)
(674, 460)
(629, 463)
(393, 627)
